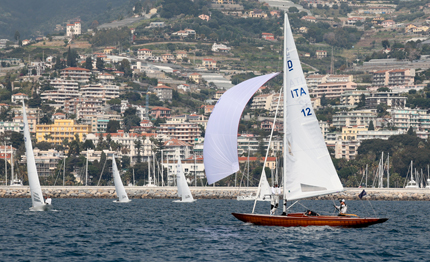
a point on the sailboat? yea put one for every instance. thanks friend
(412, 183)
(38, 203)
(119, 187)
(308, 169)
(183, 190)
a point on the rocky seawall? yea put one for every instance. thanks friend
(204, 193)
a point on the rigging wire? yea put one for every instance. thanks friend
(102, 172)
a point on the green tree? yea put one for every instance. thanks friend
(17, 36)
(371, 127)
(89, 63)
(385, 44)
(112, 126)
(100, 64)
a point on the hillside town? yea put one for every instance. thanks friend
(143, 87)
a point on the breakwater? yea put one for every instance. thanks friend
(136, 192)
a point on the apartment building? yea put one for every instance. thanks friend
(354, 118)
(17, 98)
(103, 92)
(144, 53)
(83, 107)
(351, 98)
(380, 134)
(351, 132)
(277, 103)
(394, 77)
(73, 29)
(393, 100)
(46, 161)
(313, 81)
(19, 120)
(63, 91)
(186, 132)
(346, 149)
(128, 143)
(262, 102)
(78, 74)
(418, 119)
(60, 130)
(163, 92)
(160, 112)
(333, 90)
(267, 125)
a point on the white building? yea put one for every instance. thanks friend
(104, 92)
(73, 29)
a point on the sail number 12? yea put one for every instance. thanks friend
(306, 112)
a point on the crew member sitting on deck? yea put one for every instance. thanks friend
(48, 200)
(342, 207)
(311, 213)
(276, 191)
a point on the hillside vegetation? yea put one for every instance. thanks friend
(31, 18)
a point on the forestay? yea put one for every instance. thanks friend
(33, 178)
(119, 187)
(309, 169)
(220, 146)
(183, 190)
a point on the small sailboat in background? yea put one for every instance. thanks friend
(119, 187)
(412, 183)
(308, 170)
(184, 191)
(38, 203)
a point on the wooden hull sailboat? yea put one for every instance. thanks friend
(308, 170)
(301, 220)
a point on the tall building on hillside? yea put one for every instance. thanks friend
(73, 29)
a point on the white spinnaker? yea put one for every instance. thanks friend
(265, 189)
(309, 169)
(220, 146)
(119, 187)
(183, 189)
(33, 178)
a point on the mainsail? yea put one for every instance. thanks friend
(220, 146)
(33, 178)
(119, 187)
(183, 190)
(308, 169)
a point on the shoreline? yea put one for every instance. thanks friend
(141, 192)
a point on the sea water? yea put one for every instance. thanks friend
(205, 230)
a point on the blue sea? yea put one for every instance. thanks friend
(160, 230)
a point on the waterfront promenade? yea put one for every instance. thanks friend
(210, 192)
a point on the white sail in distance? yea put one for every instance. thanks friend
(265, 189)
(309, 170)
(220, 145)
(119, 187)
(184, 191)
(38, 203)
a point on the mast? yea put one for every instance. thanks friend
(247, 182)
(366, 173)
(86, 171)
(162, 169)
(285, 147)
(64, 170)
(5, 162)
(11, 161)
(134, 181)
(381, 171)
(388, 171)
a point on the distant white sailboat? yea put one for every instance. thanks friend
(38, 203)
(119, 187)
(412, 183)
(183, 190)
